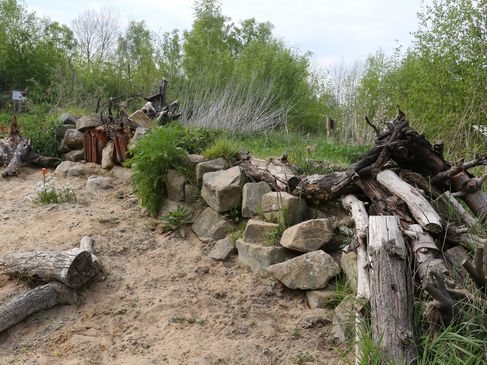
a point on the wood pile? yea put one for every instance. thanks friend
(57, 276)
(410, 207)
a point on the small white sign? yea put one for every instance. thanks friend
(19, 95)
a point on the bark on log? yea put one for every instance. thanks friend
(19, 155)
(74, 270)
(419, 207)
(327, 187)
(391, 292)
(469, 190)
(41, 298)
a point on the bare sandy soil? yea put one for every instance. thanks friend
(161, 300)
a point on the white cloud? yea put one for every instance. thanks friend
(332, 30)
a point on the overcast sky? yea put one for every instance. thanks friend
(333, 30)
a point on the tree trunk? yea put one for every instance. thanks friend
(449, 207)
(419, 207)
(74, 270)
(391, 292)
(41, 298)
(20, 153)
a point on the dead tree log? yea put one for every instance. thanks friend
(86, 244)
(277, 172)
(448, 206)
(419, 207)
(13, 150)
(325, 188)
(391, 291)
(74, 270)
(41, 298)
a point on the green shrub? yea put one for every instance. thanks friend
(153, 155)
(163, 148)
(174, 220)
(224, 148)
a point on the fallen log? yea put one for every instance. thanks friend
(277, 172)
(13, 150)
(41, 298)
(419, 207)
(74, 270)
(449, 207)
(391, 291)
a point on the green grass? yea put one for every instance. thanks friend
(39, 125)
(224, 148)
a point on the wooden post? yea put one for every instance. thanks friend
(420, 208)
(41, 298)
(391, 291)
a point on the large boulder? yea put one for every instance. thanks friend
(75, 155)
(321, 298)
(222, 250)
(175, 182)
(283, 207)
(210, 166)
(252, 194)
(308, 236)
(140, 119)
(95, 183)
(191, 160)
(344, 319)
(107, 155)
(138, 135)
(259, 232)
(63, 168)
(67, 119)
(259, 257)
(222, 190)
(312, 270)
(73, 140)
(121, 173)
(87, 122)
(348, 263)
(210, 224)
(61, 130)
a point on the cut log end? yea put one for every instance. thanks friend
(81, 270)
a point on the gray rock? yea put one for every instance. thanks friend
(222, 190)
(283, 206)
(191, 160)
(75, 155)
(61, 130)
(348, 263)
(107, 156)
(67, 119)
(191, 193)
(312, 270)
(121, 173)
(222, 250)
(73, 140)
(252, 194)
(95, 183)
(316, 318)
(78, 170)
(344, 319)
(209, 224)
(320, 298)
(142, 120)
(210, 166)
(63, 168)
(175, 182)
(258, 231)
(258, 257)
(308, 236)
(138, 135)
(87, 122)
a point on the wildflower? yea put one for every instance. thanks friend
(44, 171)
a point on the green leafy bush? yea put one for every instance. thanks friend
(162, 149)
(224, 148)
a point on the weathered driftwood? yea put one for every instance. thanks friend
(327, 187)
(86, 244)
(74, 270)
(361, 219)
(13, 150)
(391, 291)
(41, 298)
(419, 207)
(277, 172)
(477, 269)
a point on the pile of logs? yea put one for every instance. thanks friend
(57, 276)
(403, 196)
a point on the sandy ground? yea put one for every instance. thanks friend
(160, 301)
